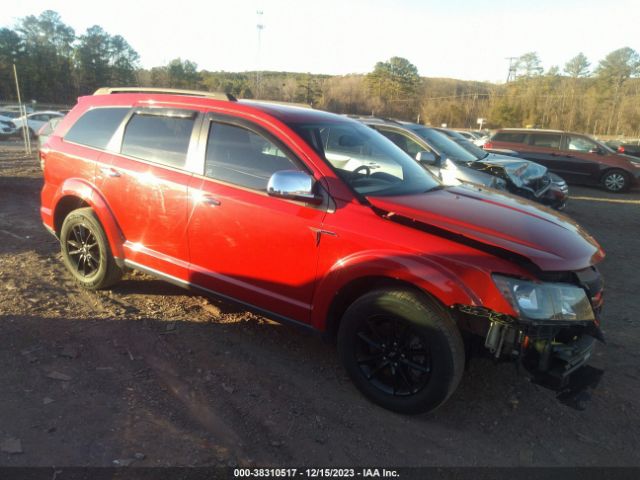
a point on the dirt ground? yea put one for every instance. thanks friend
(151, 375)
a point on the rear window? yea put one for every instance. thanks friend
(511, 137)
(96, 127)
(158, 138)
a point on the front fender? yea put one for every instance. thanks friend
(416, 270)
(82, 189)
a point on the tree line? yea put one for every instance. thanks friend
(56, 66)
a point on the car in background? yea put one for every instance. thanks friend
(575, 157)
(476, 137)
(632, 149)
(451, 162)
(35, 121)
(7, 127)
(474, 147)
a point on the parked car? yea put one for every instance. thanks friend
(632, 149)
(473, 147)
(474, 136)
(36, 120)
(575, 157)
(452, 161)
(315, 219)
(7, 127)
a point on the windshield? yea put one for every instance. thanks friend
(445, 146)
(370, 163)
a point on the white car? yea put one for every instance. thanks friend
(7, 127)
(36, 120)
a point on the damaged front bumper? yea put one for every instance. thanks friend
(553, 355)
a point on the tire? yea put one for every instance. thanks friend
(421, 369)
(615, 181)
(86, 252)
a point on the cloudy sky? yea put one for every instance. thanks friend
(447, 38)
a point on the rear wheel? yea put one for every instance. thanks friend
(615, 181)
(401, 349)
(86, 251)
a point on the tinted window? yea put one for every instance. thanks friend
(242, 157)
(510, 137)
(546, 140)
(158, 138)
(96, 127)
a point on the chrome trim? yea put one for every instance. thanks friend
(292, 184)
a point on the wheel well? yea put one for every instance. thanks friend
(354, 290)
(65, 206)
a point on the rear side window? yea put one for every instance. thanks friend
(510, 137)
(96, 127)
(242, 157)
(546, 140)
(158, 138)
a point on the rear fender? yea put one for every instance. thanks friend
(87, 193)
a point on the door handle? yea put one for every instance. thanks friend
(110, 172)
(209, 200)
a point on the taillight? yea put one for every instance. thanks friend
(487, 145)
(621, 149)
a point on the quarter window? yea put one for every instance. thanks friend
(242, 157)
(96, 127)
(158, 138)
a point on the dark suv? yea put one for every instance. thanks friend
(575, 157)
(451, 160)
(314, 219)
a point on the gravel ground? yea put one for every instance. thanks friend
(148, 374)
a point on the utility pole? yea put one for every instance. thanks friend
(513, 69)
(260, 27)
(23, 114)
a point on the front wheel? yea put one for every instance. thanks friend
(402, 350)
(86, 252)
(615, 181)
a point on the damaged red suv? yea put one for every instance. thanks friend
(315, 219)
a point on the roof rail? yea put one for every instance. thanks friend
(170, 91)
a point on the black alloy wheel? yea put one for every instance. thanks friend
(82, 248)
(86, 252)
(402, 349)
(393, 355)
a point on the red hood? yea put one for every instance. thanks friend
(551, 241)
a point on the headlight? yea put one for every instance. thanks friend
(545, 301)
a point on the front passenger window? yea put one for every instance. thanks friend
(242, 157)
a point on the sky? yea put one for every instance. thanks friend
(462, 39)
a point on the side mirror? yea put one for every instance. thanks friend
(427, 158)
(597, 150)
(294, 185)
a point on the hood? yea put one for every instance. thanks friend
(549, 240)
(521, 172)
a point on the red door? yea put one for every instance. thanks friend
(245, 244)
(146, 188)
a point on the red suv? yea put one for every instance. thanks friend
(575, 157)
(315, 219)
